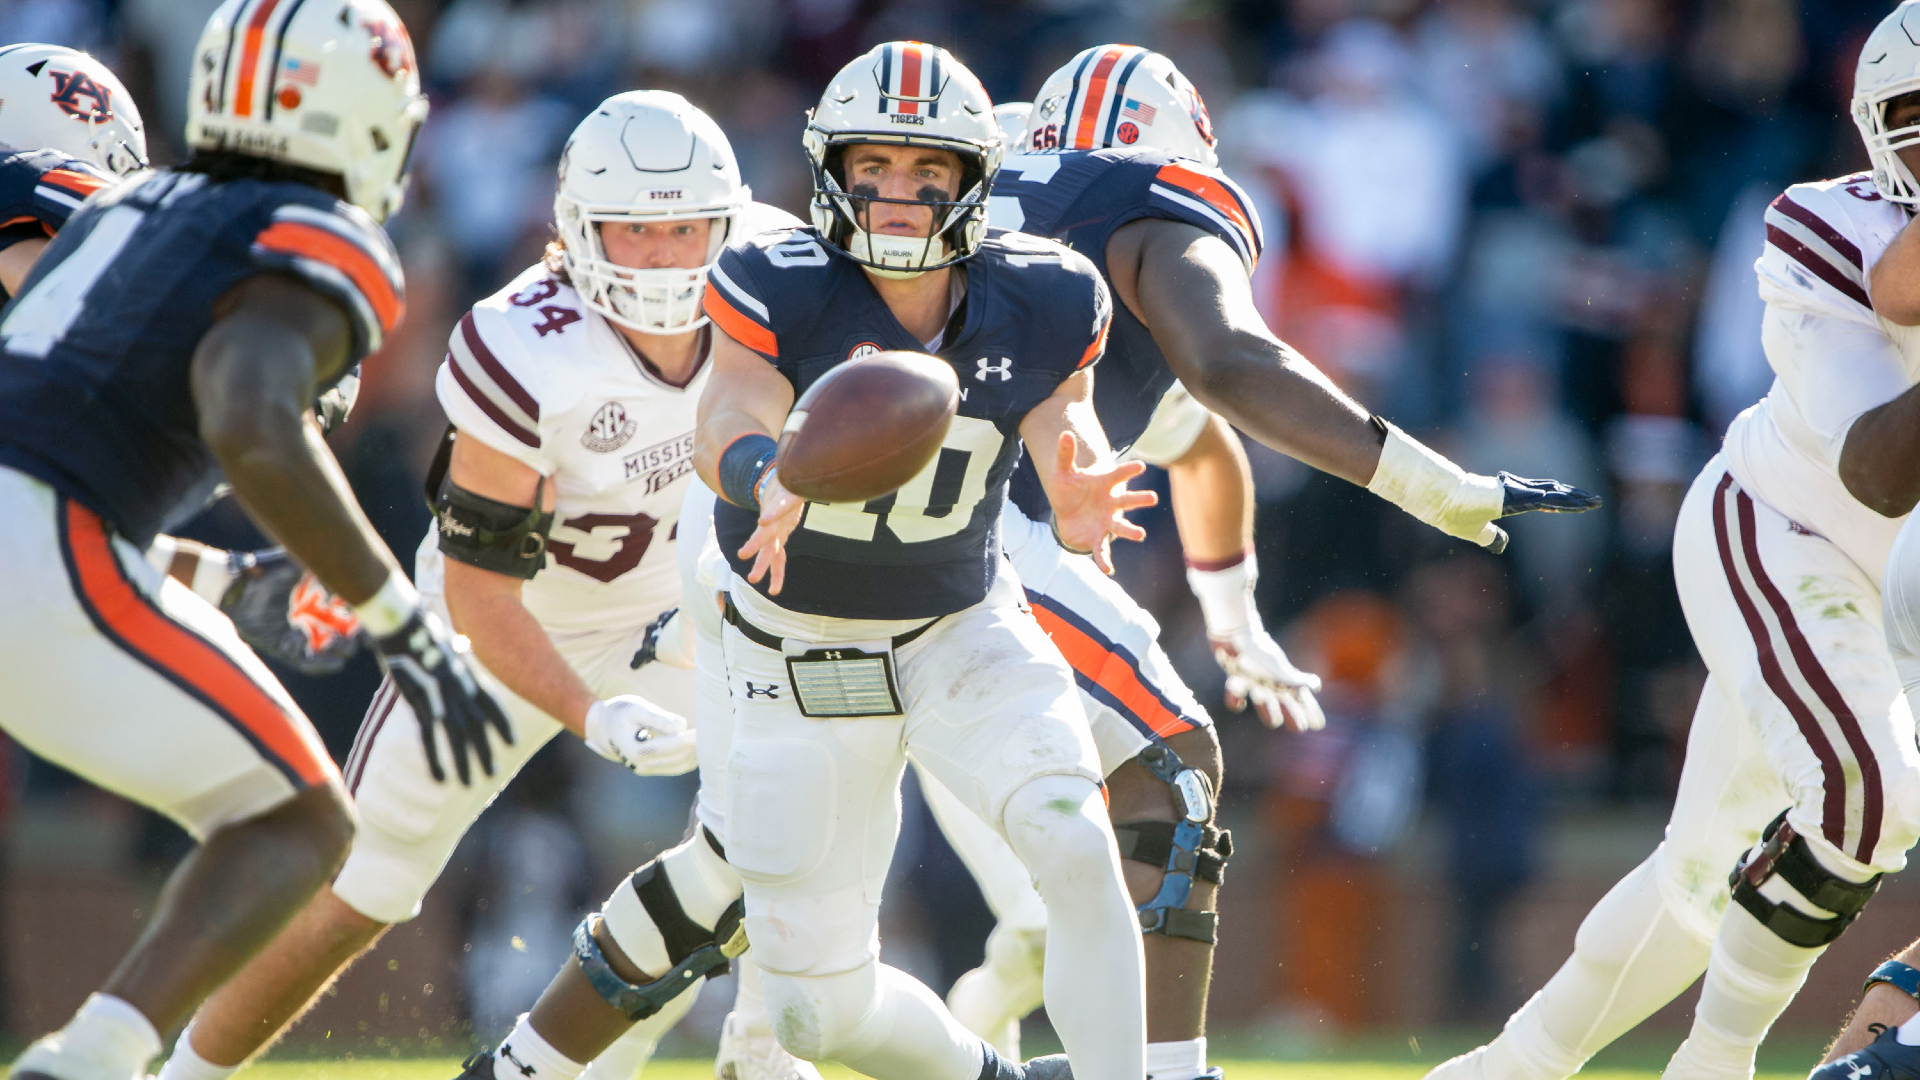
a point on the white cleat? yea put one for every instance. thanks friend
(744, 1055)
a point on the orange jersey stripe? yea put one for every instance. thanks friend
(250, 57)
(1098, 346)
(313, 242)
(1209, 190)
(183, 654)
(1096, 93)
(1110, 672)
(73, 183)
(738, 326)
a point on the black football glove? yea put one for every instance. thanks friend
(1524, 496)
(283, 611)
(433, 676)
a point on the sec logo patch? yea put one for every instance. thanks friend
(1128, 132)
(865, 348)
(609, 429)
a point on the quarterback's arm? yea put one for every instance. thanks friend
(1084, 485)
(748, 397)
(254, 377)
(485, 604)
(1192, 292)
(16, 261)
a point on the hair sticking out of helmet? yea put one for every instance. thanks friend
(903, 93)
(645, 156)
(1889, 69)
(1120, 95)
(327, 85)
(57, 98)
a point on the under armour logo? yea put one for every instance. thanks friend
(771, 690)
(1857, 1068)
(506, 1051)
(1004, 369)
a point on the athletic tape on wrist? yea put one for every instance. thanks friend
(390, 608)
(743, 465)
(1225, 594)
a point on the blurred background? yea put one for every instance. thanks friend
(1524, 229)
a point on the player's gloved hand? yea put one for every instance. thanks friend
(1257, 668)
(428, 665)
(283, 611)
(650, 741)
(1459, 503)
(1090, 504)
(667, 640)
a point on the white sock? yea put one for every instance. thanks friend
(106, 1037)
(749, 997)
(1095, 973)
(1184, 1060)
(1630, 957)
(1910, 1031)
(1750, 980)
(187, 1064)
(524, 1055)
(631, 1052)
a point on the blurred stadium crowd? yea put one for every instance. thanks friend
(1522, 228)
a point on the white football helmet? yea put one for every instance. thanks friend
(1889, 67)
(1120, 95)
(55, 98)
(328, 85)
(645, 155)
(905, 93)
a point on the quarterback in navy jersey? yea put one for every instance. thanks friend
(859, 636)
(1117, 161)
(179, 327)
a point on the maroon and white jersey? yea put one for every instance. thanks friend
(1832, 358)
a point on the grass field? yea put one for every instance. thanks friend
(436, 1069)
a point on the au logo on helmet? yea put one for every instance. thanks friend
(82, 97)
(392, 48)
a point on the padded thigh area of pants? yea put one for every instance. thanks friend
(779, 808)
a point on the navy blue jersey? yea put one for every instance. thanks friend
(96, 352)
(1034, 314)
(39, 190)
(1080, 198)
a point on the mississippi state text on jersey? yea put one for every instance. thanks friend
(95, 354)
(534, 373)
(39, 190)
(1832, 360)
(1034, 313)
(1080, 198)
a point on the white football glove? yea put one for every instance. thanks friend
(650, 741)
(1257, 668)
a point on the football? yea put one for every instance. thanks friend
(867, 427)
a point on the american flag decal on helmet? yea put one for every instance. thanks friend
(1099, 94)
(910, 79)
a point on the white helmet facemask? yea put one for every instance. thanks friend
(645, 157)
(890, 254)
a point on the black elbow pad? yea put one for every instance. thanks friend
(491, 535)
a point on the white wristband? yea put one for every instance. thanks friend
(390, 608)
(1226, 597)
(1428, 486)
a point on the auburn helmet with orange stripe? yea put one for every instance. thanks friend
(1120, 95)
(645, 155)
(904, 93)
(56, 98)
(327, 85)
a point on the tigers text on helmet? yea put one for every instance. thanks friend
(328, 85)
(645, 156)
(1120, 95)
(903, 93)
(1889, 67)
(56, 98)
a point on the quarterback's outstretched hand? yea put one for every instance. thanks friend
(1459, 503)
(430, 670)
(1090, 505)
(780, 512)
(629, 730)
(283, 611)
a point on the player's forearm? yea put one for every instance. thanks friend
(1268, 390)
(290, 483)
(717, 432)
(17, 261)
(1212, 489)
(1894, 280)
(1880, 462)
(514, 647)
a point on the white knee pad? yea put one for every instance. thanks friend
(671, 906)
(821, 1016)
(1058, 826)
